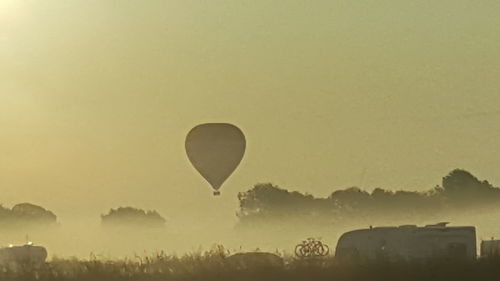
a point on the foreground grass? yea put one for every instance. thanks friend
(213, 266)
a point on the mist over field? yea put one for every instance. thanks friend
(272, 219)
(86, 236)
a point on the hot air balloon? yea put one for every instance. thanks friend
(215, 150)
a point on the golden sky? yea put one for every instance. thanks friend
(96, 97)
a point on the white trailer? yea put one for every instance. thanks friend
(407, 242)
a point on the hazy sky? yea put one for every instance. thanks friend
(96, 97)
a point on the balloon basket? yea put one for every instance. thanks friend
(216, 193)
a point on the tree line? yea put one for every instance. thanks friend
(459, 191)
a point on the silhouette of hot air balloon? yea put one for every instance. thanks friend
(215, 150)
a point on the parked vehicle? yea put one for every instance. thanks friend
(490, 249)
(407, 242)
(26, 254)
(255, 260)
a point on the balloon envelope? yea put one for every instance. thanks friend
(215, 150)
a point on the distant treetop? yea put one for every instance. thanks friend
(26, 214)
(461, 181)
(132, 216)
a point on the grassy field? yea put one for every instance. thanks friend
(213, 266)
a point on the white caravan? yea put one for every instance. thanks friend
(407, 242)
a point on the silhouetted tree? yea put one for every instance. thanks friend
(26, 214)
(463, 189)
(132, 216)
(352, 198)
(27, 211)
(266, 201)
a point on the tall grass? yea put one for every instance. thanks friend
(212, 265)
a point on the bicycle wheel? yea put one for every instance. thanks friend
(325, 250)
(299, 250)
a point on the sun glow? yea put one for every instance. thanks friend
(10, 10)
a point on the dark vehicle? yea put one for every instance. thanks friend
(26, 254)
(490, 249)
(255, 260)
